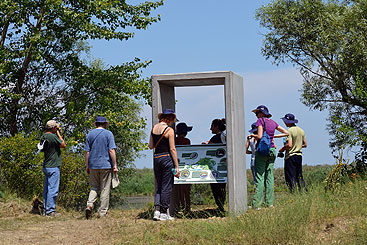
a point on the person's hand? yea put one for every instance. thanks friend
(177, 175)
(115, 169)
(87, 169)
(280, 155)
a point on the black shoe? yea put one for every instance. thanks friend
(53, 214)
(88, 212)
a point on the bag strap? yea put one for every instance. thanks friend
(95, 140)
(264, 124)
(163, 134)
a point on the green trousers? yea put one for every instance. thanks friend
(264, 172)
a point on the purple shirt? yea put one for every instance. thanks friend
(270, 125)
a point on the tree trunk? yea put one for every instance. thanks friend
(20, 82)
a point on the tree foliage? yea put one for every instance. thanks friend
(327, 41)
(46, 71)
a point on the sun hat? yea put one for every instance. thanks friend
(253, 128)
(263, 109)
(182, 128)
(100, 119)
(289, 118)
(167, 112)
(51, 124)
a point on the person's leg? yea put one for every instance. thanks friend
(53, 188)
(299, 176)
(167, 182)
(158, 177)
(287, 173)
(290, 172)
(260, 164)
(94, 182)
(253, 173)
(186, 197)
(176, 200)
(45, 189)
(269, 178)
(105, 178)
(219, 193)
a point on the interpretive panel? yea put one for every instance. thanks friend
(202, 164)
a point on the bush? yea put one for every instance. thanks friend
(21, 167)
(21, 171)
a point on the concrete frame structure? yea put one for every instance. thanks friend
(163, 96)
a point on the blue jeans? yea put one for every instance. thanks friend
(163, 165)
(50, 188)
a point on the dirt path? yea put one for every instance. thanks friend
(64, 230)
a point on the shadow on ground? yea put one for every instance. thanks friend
(197, 214)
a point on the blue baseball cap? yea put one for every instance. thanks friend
(100, 119)
(289, 118)
(263, 109)
(253, 128)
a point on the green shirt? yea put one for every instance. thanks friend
(52, 151)
(298, 136)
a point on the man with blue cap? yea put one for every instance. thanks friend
(100, 158)
(293, 153)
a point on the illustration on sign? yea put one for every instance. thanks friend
(202, 164)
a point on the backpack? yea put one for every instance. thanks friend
(264, 145)
(42, 145)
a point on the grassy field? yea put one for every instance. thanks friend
(316, 217)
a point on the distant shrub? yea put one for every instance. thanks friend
(136, 182)
(21, 171)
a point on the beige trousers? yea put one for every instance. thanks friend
(100, 180)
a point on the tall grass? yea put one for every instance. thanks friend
(315, 217)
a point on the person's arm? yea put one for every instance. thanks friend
(62, 145)
(172, 149)
(151, 144)
(284, 132)
(87, 161)
(304, 145)
(247, 146)
(287, 146)
(259, 134)
(113, 158)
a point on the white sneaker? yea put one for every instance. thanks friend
(165, 217)
(156, 215)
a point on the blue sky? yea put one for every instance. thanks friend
(198, 36)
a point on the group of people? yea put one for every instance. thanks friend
(262, 166)
(162, 140)
(101, 165)
(100, 159)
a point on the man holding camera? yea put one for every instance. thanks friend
(52, 142)
(293, 153)
(100, 158)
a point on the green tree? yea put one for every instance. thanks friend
(327, 41)
(46, 71)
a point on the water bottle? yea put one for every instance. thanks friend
(174, 172)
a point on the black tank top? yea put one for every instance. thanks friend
(163, 146)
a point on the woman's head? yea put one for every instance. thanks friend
(261, 111)
(218, 125)
(168, 116)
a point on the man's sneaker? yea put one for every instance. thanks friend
(165, 217)
(156, 215)
(88, 212)
(53, 214)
